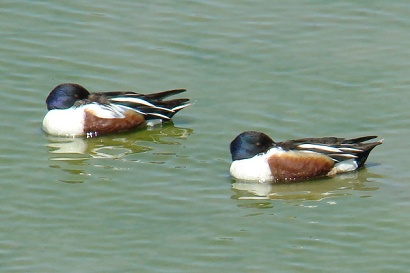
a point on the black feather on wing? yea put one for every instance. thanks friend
(339, 149)
(152, 106)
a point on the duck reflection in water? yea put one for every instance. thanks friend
(73, 155)
(343, 185)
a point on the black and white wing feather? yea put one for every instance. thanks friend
(152, 106)
(339, 149)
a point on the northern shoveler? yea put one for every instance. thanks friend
(256, 157)
(73, 111)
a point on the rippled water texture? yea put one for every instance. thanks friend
(162, 200)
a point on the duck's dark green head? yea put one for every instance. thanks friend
(250, 143)
(64, 95)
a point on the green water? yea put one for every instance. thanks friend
(162, 200)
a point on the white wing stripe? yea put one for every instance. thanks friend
(320, 147)
(140, 101)
(351, 150)
(180, 107)
(345, 155)
(134, 100)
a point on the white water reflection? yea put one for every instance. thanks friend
(315, 190)
(73, 155)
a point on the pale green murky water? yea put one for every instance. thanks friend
(162, 200)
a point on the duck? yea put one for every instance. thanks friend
(73, 111)
(257, 158)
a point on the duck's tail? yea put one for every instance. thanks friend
(152, 106)
(357, 149)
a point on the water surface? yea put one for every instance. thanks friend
(162, 200)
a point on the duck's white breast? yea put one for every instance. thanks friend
(64, 122)
(252, 169)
